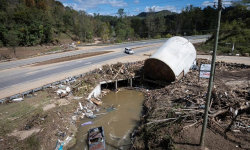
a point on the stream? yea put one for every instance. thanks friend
(123, 110)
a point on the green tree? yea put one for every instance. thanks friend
(150, 22)
(12, 39)
(160, 24)
(121, 13)
(105, 32)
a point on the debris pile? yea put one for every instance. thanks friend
(181, 105)
(120, 71)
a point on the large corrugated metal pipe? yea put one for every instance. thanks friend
(171, 61)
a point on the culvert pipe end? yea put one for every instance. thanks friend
(158, 70)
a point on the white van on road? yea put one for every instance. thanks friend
(129, 50)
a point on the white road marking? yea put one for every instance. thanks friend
(33, 72)
(87, 63)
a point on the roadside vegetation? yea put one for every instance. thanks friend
(48, 22)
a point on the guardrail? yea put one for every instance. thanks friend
(32, 91)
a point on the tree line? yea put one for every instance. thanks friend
(33, 22)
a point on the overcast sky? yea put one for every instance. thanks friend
(134, 7)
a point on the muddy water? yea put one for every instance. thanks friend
(123, 114)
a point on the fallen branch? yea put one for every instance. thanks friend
(188, 126)
(118, 71)
(244, 107)
(190, 112)
(218, 113)
(211, 104)
(245, 118)
(212, 120)
(157, 121)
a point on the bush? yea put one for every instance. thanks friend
(168, 35)
(56, 41)
(118, 40)
(158, 36)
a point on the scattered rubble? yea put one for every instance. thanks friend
(180, 106)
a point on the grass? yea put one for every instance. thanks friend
(221, 48)
(9, 123)
(12, 113)
(54, 49)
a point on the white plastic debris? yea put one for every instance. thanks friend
(67, 89)
(74, 118)
(236, 112)
(17, 99)
(67, 140)
(89, 114)
(232, 110)
(62, 86)
(76, 98)
(60, 91)
(80, 104)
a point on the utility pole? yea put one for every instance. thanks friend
(204, 126)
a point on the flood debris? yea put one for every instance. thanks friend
(169, 108)
(180, 106)
(96, 101)
(17, 99)
(70, 80)
(59, 145)
(77, 98)
(87, 123)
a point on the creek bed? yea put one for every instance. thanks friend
(123, 109)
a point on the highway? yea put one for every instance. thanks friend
(19, 76)
(12, 64)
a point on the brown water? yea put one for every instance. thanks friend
(118, 123)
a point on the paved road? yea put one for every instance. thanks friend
(19, 79)
(12, 64)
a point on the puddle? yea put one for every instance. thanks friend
(124, 110)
